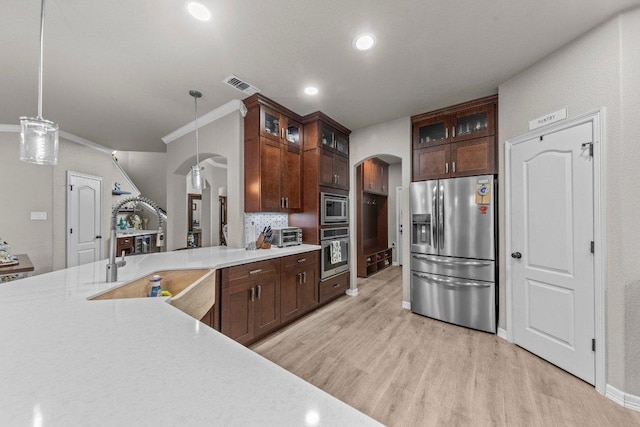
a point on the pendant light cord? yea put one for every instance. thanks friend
(41, 61)
(197, 144)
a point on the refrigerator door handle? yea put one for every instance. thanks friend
(453, 283)
(434, 222)
(453, 263)
(441, 216)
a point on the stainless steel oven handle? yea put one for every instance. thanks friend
(453, 283)
(453, 263)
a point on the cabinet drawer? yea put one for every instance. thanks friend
(304, 259)
(251, 270)
(124, 243)
(333, 287)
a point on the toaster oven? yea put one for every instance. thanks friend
(287, 236)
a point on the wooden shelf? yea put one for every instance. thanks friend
(377, 261)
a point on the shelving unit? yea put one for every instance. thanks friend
(372, 183)
(377, 261)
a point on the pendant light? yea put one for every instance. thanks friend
(39, 137)
(197, 173)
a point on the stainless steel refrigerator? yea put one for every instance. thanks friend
(453, 251)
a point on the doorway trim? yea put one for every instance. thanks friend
(597, 119)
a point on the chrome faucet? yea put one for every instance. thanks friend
(112, 267)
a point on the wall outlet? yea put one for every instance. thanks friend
(38, 216)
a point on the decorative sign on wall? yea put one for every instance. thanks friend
(547, 119)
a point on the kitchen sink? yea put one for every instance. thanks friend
(194, 291)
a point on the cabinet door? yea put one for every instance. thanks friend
(384, 178)
(270, 179)
(267, 302)
(341, 143)
(309, 286)
(290, 289)
(270, 124)
(369, 175)
(431, 163)
(292, 178)
(474, 123)
(327, 176)
(430, 132)
(293, 133)
(341, 171)
(474, 157)
(238, 314)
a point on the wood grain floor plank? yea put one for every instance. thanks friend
(408, 370)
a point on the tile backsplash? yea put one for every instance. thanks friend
(264, 219)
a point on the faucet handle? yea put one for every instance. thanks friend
(122, 261)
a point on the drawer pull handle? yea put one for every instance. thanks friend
(259, 270)
(337, 285)
(259, 291)
(301, 260)
(253, 294)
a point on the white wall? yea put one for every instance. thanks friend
(395, 180)
(224, 137)
(28, 188)
(390, 138)
(148, 172)
(600, 69)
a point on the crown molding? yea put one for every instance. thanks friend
(223, 110)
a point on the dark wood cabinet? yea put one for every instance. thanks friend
(376, 176)
(333, 287)
(298, 285)
(332, 139)
(260, 297)
(273, 158)
(250, 300)
(456, 141)
(372, 215)
(124, 244)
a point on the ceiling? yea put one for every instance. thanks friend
(118, 72)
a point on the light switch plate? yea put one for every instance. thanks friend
(38, 216)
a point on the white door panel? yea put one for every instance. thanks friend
(84, 219)
(552, 228)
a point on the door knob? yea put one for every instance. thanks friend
(516, 255)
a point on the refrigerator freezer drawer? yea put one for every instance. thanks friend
(462, 302)
(473, 269)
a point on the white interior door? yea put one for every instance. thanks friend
(399, 196)
(552, 269)
(84, 218)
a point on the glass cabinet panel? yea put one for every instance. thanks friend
(327, 137)
(294, 133)
(341, 143)
(271, 124)
(472, 124)
(430, 133)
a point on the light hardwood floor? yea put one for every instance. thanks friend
(408, 370)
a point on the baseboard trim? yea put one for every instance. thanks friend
(352, 292)
(395, 263)
(502, 333)
(406, 305)
(627, 400)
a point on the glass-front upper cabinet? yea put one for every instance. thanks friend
(431, 132)
(334, 140)
(293, 134)
(474, 123)
(270, 123)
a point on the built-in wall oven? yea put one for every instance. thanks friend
(334, 252)
(334, 209)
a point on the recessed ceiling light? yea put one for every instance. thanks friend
(199, 11)
(364, 41)
(311, 90)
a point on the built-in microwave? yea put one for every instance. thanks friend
(334, 209)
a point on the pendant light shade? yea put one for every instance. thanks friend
(39, 137)
(197, 173)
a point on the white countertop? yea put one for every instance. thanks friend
(67, 361)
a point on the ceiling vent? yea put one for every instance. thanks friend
(241, 85)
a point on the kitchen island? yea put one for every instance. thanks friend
(67, 361)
